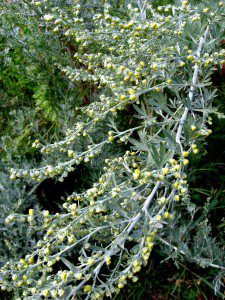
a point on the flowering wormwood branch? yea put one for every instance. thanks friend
(137, 62)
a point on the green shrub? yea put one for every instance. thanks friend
(129, 85)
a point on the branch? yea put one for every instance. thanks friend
(145, 207)
(191, 92)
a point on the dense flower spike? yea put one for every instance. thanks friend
(156, 62)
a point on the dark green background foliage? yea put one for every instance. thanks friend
(37, 101)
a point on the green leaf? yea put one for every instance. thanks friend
(69, 264)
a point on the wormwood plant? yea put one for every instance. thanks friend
(156, 64)
(33, 91)
(13, 197)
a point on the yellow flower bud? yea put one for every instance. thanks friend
(176, 185)
(31, 260)
(165, 171)
(24, 277)
(61, 292)
(177, 167)
(195, 151)
(91, 155)
(54, 293)
(87, 288)
(20, 283)
(91, 261)
(154, 66)
(166, 215)
(70, 153)
(144, 250)
(183, 191)
(63, 276)
(177, 198)
(14, 277)
(185, 154)
(22, 261)
(206, 10)
(31, 212)
(149, 239)
(144, 81)
(133, 97)
(182, 64)
(176, 175)
(142, 64)
(150, 245)
(48, 18)
(154, 25)
(186, 162)
(136, 173)
(45, 293)
(172, 161)
(50, 231)
(123, 97)
(111, 138)
(120, 285)
(134, 278)
(158, 218)
(136, 263)
(79, 276)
